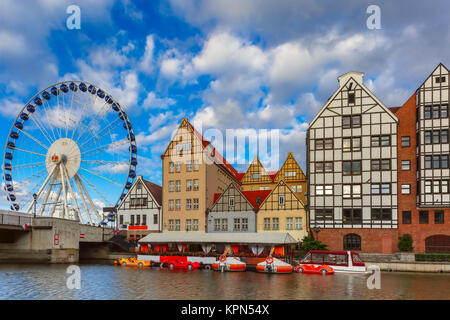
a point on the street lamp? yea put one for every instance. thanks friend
(317, 230)
(34, 204)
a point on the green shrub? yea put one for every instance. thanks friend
(308, 243)
(434, 257)
(405, 243)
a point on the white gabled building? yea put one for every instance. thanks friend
(139, 213)
(352, 169)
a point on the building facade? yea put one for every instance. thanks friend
(352, 170)
(283, 211)
(139, 213)
(235, 210)
(424, 173)
(193, 171)
(293, 175)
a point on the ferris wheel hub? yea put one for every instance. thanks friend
(63, 151)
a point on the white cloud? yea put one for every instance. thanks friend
(146, 63)
(154, 102)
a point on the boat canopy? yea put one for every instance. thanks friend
(272, 238)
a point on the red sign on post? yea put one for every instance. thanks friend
(56, 239)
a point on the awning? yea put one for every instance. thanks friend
(273, 238)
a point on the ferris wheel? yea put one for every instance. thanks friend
(70, 151)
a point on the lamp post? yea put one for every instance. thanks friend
(317, 230)
(34, 204)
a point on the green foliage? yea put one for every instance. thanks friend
(405, 243)
(439, 257)
(308, 243)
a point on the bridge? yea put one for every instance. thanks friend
(24, 238)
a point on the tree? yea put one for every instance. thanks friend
(308, 243)
(405, 243)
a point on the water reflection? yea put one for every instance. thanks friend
(107, 282)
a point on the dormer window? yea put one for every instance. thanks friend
(231, 202)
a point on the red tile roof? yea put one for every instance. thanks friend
(251, 196)
(155, 190)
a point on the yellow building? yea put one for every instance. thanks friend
(283, 211)
(192, 172)
(293, 175)
(257, 178)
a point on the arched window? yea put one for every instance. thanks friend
(352, 241)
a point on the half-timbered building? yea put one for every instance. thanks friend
(139, 213)
(352, 170)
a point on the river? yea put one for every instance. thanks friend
(101, 281)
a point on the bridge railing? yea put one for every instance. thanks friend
(15, 218)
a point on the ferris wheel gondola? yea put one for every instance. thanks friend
(70, 151)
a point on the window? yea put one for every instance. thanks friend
(138, 219)
(171, 167)
(171, 225)
(171, 205)
(188, 185)
(439, 217)
(322, 144)
(435, 136)
(381, 188)
(289, 223)
(351, 97)
(281, 200)
(177, 225)
(406, 217)
(290, 174)
(406, 188)
(352, 241)
(405, 141)
(144, 219)
(436, 186)
(188, 204)
(188, 166)
(244, 225)
(155, 219)
(171, 186)
(324, 214)
(231, 201)
(266, 223)
(439, 79)
(195, 225)
(237, 224)
(324, 190)
(436, 162)
(224, 224)
(178, 185)
(324, 166)
(380, 164)
(436, 111)
(380, 141)
(352, 215)
(195, 184)
(298, 223)
(132, 220)
(351, 144)
(351, 121)
(406, 165)
(216, 224)
(381, 214)
(423, 217)
(195, 165)
(351, 191)
(188, 224)
(178, 166)
(177, 204)
(195, 203)
(121, 219)
(351, 167)
(275, 223)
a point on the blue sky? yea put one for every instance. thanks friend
(255, 64)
